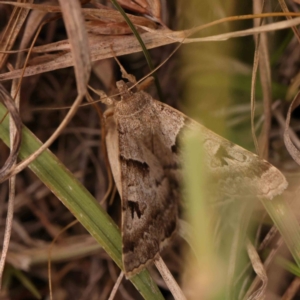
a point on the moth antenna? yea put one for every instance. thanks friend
(131, 78)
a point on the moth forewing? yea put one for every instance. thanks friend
(236, 171)
(146, 178)
(142, 143)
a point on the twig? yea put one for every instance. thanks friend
(116, 286)
(169, 279)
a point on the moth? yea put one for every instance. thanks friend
(142, 137)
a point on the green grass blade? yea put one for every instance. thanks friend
(288, 265)
(22, 277)
(287, 224)
(79, 201)
(144, 48)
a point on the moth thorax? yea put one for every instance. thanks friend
(133, 104)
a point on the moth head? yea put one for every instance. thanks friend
(124, 89)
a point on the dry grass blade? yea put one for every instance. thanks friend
(260, 271)
(103, 14)
(116, 286)
(169, 279)
(294, 152)
(256, 283)
(265, 79)
(79, 47)
(12, 31)
(253, 87)
(50, 254)
(43, 7)
(100, 48)
(15, 132)
(71, 248)
(14, 113)
(148, 7)
(285, 9)
(74, 22)
(292, 290)
(281, 120)
(154, 9)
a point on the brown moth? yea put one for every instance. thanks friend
(142, 144)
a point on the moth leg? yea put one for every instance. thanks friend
(145, 83)
(104, 98)
(108, 113)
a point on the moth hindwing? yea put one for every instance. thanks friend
(142, 144)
